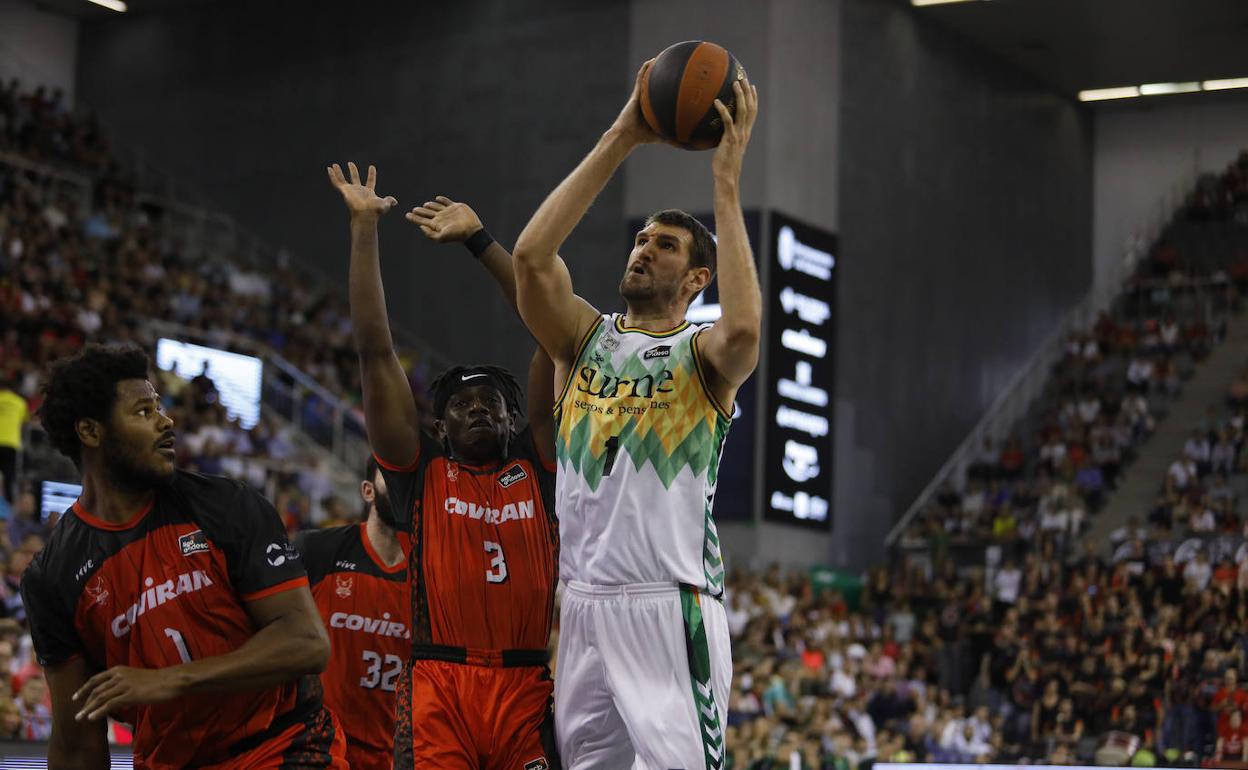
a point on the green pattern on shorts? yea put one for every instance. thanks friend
(700, 674)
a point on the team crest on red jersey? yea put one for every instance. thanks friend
(343, 586)
(452, 472)
(96, 590)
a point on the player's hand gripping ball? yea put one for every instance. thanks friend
(679, 90)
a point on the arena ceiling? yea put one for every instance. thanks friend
(1071, 45)
(1075, 45)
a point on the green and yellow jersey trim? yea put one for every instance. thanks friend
(620, 327)
(702, 378)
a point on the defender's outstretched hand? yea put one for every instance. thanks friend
(731, 150)
(361, 199)
(444, 220)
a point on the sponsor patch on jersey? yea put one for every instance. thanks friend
(537, 764)
(193, 542)
(278, 554)
(512, 475)
(660, 351)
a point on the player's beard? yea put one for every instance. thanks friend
(646, 294)
(385, 510)
(126, 470)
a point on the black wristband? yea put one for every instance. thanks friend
(478, 242)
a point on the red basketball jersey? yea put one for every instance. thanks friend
(484, 554)
(366, 607)
(169, 587)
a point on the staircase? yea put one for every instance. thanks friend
(1138, 488)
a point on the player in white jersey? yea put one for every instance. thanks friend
(644, 407)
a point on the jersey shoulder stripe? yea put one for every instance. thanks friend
(576, 359)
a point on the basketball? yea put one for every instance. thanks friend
(679, 90)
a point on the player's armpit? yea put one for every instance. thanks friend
(75, 745)
(731, 354)
(555, 315)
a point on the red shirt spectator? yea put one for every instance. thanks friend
(1229, 699)
(1012, 457)
(1232, 750)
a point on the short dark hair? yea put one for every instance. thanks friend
(702, 251)
(85, 386)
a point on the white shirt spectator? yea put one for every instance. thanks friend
(1204, 521)
(951, 731)
(982, 729)
(1140, 372)
(974, 502)
(1053, 452)
(1198, 571)
(865, 726)
(903, 622)
(1180, 473)
(55, 216)
(88, 320)
(1055, 520)
(1170, 334)
(1222, 457)
(843, 684)
(970, 748)
(1089, 409)
(1007, 583)
(1197, 450)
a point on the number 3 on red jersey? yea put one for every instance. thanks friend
(497, 573)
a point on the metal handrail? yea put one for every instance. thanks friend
(304, 386)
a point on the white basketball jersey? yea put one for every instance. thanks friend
(638, 440)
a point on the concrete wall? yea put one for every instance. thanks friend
(38, 47)
(965, 219)
(488, 102)
(1148, 152)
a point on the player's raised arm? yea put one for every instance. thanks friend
(446, 221)
(74, 745)
(555, 315)
(730, 347)
(541, 390)
(389, 409)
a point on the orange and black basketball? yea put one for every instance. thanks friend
(679, 90)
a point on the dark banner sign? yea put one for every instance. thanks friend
(800, 379)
